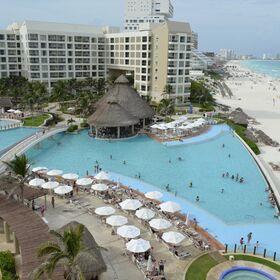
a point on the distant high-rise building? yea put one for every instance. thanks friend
(138, 12)
(227, 54)
(195, 40)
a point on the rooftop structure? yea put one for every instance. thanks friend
(118, 111)
(138, 12)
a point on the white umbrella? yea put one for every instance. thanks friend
(105, 211)
(145, 214)
(160, 224)
(11, 111)
(84, 181)
(128, 231)
(154, 195)
(17, 112)
(40, 169)
(102, 175)
(138, 245)
(116, 220)
(37, 182)
(54, 172)
(100, 187)
(170, 207)
(150, 264)
(173, 237)
(64, 189)
(70, 176)
(131, 204)
(50, 185)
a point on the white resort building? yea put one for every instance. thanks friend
(138, 12)
(156, 55)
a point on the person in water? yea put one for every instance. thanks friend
(191, 184)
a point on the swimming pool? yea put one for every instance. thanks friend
(12, 136)
(227, 216)
(202, 164)
(245, 273)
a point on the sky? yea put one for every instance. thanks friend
(246, 26)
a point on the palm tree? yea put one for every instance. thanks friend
(64, 252)
(20, 167)
(166, 107)
(168, 89)
(100, 86)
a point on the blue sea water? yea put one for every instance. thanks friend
(267, 67)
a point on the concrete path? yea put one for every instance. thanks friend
(119, 266)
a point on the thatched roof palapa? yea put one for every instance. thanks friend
(112, 114)
(5, 102)
(90, 262)
(123, 94)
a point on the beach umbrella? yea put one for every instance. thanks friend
(40, 169)
(128, 231)
(102, 175)
(100, 187)
(11, 111)
(37, 182)
(64, 189)
(70, 176)
(170, 207)
(105, 211)
(145, 214)
(130, 204)
(154, 195)
(84, 182)
(173, 237)
(116, 220)
(138, 245)
(150, 264)
(54, 172)
(160, 224)
(50, 185)
(17, 112)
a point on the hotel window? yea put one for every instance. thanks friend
(2, 52)
(11, 37)
(127, 62)
(2, 36)
(33, 37)
(43, 37)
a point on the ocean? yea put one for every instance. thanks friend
(268, 67)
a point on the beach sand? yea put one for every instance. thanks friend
(259, 96)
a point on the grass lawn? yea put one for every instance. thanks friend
(200, 267)
(268, 263)
(36, 120)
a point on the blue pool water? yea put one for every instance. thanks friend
(244, 273)
(227, 216)
(267, 67)
(202, 164)
(12, 136)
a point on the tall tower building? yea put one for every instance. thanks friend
(146, 11)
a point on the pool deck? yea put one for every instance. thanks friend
(215, 272)
(119, 266)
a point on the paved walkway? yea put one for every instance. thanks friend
(119, 265)
(215, 272)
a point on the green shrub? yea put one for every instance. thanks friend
(84, 125)
(9, 276)
(8, 266)
(72, 128)
(55, 119)
(240, 130)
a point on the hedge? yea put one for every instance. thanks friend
(8, 266)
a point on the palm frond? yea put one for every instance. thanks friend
(48, 248)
